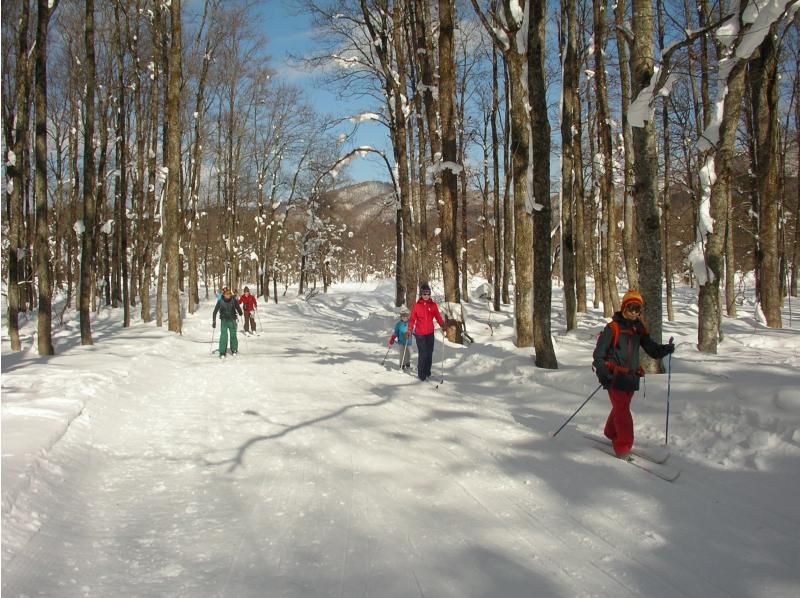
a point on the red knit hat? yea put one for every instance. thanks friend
(631, 296)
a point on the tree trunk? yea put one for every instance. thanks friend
(17, 172)
(717, 197)
(665, 202)
(171, 210)
(796, 249)
(764, 95)
(496, 211)
(448, 207)
(88, 244)
(540, 154)
(628, 237)
(648, 222)
(581, 240)
(570, 81)
(608, 258)
(400, 145)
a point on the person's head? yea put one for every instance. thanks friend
(246, 290)
(632, 305)
(404, 314)
(226, 292)
(425, 290)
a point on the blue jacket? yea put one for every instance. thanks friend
(400, 333)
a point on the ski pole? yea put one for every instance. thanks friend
(599, 386)
(213, 330)
(443, 346)
(669, 377)
(405, 350)
(258, 315)
(387, 354)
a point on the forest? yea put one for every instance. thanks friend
(153, 152)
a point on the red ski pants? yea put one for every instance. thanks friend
(619, 425)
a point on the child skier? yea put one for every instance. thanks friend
(404, 344)
(616, 362)
(227, 307)
(248, 303)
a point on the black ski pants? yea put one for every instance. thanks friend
(425, 355)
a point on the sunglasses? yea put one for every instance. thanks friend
(426, 294)
(634, 308)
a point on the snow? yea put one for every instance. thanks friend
(365, 116)
(144, 465)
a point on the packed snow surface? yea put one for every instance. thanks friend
(144, 465)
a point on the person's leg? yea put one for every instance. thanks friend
(247, 322)
(622, 420)
(425, 348)
(409, 350)
(252, 322)
(400, 351)
(234, 339)
(223, 337)
(420, 357)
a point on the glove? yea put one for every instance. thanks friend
(669, 348)
(214, 324)
(391, 340)
(605, 381)
(408, 333)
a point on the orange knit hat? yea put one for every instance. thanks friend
(631, 296)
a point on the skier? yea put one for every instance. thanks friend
(249, 304)
(424, 312)
(227, 307)
(616, 362)
(404, 346)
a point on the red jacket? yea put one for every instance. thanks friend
(248, 302)
(422, 316)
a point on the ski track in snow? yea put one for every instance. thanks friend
(302, 467)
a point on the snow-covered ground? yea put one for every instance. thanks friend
(146, 466)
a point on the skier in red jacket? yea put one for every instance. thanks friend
(248, 303)
(424, 312)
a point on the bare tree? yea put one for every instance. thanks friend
(172, 218)
(628, 236)
(540, 154)
(605, 175)
(569, 86)
(763, 78)
(45, 9)
(448, 208)
(648, 223)
(503, 26)
(16, 121)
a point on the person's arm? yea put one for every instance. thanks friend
(438, 316)
(412, 320)
(653, 349)
(599, 356)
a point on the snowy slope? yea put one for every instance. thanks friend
(146, 466)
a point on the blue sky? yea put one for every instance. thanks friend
(292, 34)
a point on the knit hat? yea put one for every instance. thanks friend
(424, 288)
(403, 311)
(631, 296)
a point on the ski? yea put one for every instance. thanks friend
(665, 472)
(655, 454)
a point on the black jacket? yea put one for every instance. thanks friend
(227, 308)
(617, 365)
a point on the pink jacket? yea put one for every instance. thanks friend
(422, 316)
